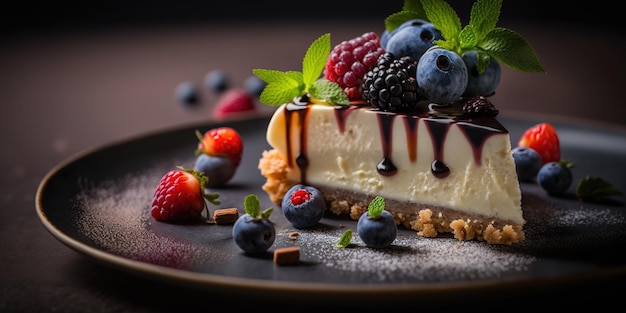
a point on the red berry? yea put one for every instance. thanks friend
(179, 196)
(544, 139)
(221, 141)
(232, 102)
(350, 60)
(300, 196)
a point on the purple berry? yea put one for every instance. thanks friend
(554, 177)
(303, 206)
(527, 163)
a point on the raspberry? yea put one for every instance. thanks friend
(479, 106)
(300, 196)
(391, 84)
(350, 60)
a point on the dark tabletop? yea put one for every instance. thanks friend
(68, 89)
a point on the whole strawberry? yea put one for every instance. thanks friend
(544, 139)
(221, 141)
(180, 196)
(232, 102)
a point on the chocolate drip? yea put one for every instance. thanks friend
(410, 126)
(385, 122)
(302, 160)
(341, 114)
(438, 129)
(477, 135)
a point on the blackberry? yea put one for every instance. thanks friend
(391, 84)
(350, 60)
(479, 106)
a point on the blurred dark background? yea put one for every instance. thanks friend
(28, 16)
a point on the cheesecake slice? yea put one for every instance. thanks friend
(439, 170)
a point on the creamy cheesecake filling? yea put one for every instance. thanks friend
(433, 160)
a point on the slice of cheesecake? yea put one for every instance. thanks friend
(440, 171)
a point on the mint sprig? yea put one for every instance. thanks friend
(480, 35)
(282, 87)
(595, 189)
(252, 207)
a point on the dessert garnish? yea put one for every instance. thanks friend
(345, 239)
(180, 196)
(595, 189)
(377, 227)
(253, 231)
(480, 35)
(282, 87)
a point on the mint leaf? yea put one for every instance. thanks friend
(593, 189)
(280, 92)
(251, 205)
(484, 16)
(329, 92)
(411, 9)
(441, 14)
(283, 87)
(315, 60)
(511, 49)
(345, 239)
(376, 206)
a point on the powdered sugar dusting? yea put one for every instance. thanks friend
(411, 257)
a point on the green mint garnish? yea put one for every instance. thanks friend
(282, 87)
(594, 189)
(252, 207)
(345, 239)
(481, 34)
(376, 206)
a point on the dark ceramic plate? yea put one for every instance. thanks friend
(97, 204)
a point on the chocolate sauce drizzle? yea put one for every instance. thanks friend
(476, 130)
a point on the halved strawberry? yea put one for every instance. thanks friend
(180, 196)
(544, 139)
(221, 141)
(234, 101)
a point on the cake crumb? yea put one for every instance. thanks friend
(294, 235)
(287, 256)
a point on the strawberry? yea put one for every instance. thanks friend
(543, 139)
(234, 101)
(221, 141)
(180, 196)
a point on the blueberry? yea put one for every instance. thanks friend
(481, 84)
(254, 85)
(253, 235)
(376, 227)
(412, 39)
(377, 233)
(187, 93)
(216, 81)
(441, 75)
(218, 169)
(303, 206)
(554, 177)
(527, 163)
